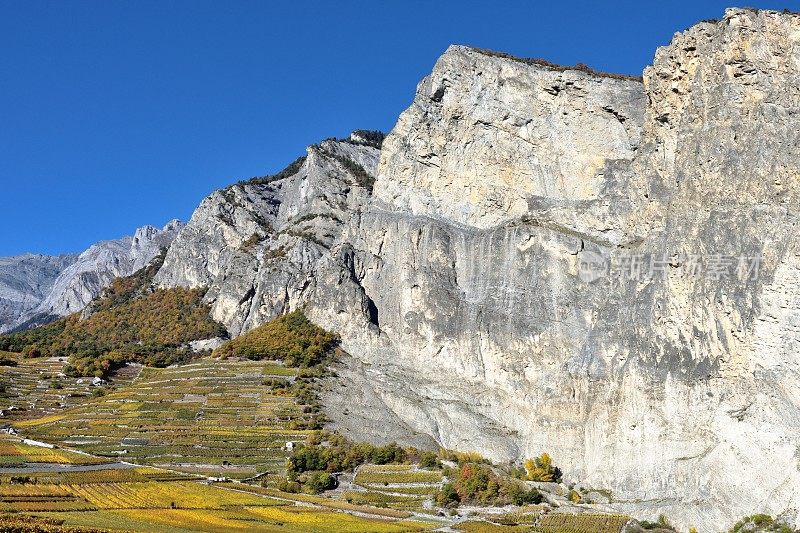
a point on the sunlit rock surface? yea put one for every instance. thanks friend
(457, 286)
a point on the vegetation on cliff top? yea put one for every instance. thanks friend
(292, 169)
(554, 66)
(372, 138)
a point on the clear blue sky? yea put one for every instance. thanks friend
(114, 114)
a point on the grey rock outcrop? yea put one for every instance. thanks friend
(69, 283)
(487, 133)
(257, 245)
(24, 282)
(459, 286)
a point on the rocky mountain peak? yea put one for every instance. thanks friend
(458, 288)
(505, 131)
(67, 284)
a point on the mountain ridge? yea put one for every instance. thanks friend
(457, 278)
(77, 279)
(457, 288)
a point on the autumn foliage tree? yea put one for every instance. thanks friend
(479, 483)
(132, 321)
(541, 469)
(291, 338)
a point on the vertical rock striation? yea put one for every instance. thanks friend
(457, 287)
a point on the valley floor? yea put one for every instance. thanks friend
(203, 447)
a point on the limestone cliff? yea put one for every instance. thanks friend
(257, 245)
(458, 286)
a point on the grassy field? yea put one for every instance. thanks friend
(213, 417)
(400, 487)
(16, 453)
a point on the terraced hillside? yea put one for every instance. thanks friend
(402, 487)
(38, 386)
(211, 417)
(181, 439)
(121, 497)
(184, 428)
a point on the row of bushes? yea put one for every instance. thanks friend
(556, 67)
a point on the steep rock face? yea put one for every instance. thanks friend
(487, 133)
(24, 282)
(256, 245)
(460, 292)
(670, 391)
(82, 278)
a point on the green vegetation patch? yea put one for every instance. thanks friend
(132, 322)
(481, 484)
(423, 476)
(290, 338)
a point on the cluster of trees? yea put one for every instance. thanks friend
(311, 466)
(7, 359)
(330, 452)
(291, 170)
(762, 522)
(362, 177)
(541, 469)
(131, 322)
(479, 483)
(360, 174)
(123, 290)
(372, 138)
(290, 338)
(310, 482)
